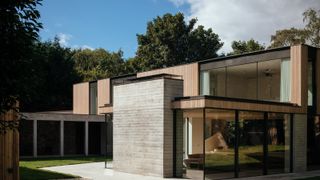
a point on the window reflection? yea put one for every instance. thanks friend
(219, 143)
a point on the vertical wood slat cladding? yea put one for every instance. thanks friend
(103, 93)
(189, 73)
(299, 78)
(81, 98)
(318, 80)
(9, 150)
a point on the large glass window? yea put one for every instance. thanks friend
(73, 138)
(313, 142)
(251, 139)
(48, 137)
(265, 80)
(310, 84)
(219, 143)
(279, 128)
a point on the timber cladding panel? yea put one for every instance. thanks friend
(81, 98)
(103, 93)
(9, 149)
(189, 73)
(299, 76)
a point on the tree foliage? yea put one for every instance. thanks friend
(19, 29)
(240, 47)
(98, 63)
(170, 41)
(309, 34)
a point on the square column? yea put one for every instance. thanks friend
(299, 143)
(86, 138)
(35, 140)
(61, 138)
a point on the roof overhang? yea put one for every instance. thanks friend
(197, 102)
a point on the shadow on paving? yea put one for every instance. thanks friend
(38, 174)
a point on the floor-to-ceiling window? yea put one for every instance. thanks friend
(219, 143)
(234, 143)
(193, 157)
(278, 133)
(263, 80)
(251, 140)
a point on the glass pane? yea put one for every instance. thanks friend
(219, 144)
(93, 98)
(269, 80)
(242, 81)
(26, 138)
(213, 82)
(313, 143)
(251, 126)
(193, 144)
(278, 143)
(285, 81)
(73, 138)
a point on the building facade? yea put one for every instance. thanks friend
(238, 116)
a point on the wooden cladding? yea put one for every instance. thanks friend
(81, 98)
(299, 75)
(238, 105)
(189, 73)
(9, 148)
(103, 94)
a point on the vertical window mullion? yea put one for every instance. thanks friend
(265, 144)
(236, 145)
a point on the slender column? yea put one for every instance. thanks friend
(86, 138)
(35, 139)
(61, 138)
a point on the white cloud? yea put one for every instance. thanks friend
(245, 19)
(87, 47)
(64, 39)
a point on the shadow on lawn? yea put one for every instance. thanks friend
(39, 174)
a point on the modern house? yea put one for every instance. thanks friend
(236, 116)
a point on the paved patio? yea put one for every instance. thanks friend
(97, 171)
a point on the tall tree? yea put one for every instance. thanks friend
(169, 41)
(240, 47)
(309, 34)
(19, 29)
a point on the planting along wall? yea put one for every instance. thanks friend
(143, 126)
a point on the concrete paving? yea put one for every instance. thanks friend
(96, 171)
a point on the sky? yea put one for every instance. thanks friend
(113, 24)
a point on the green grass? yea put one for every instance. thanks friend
(312, 178)
(249, 156)
(29, 168)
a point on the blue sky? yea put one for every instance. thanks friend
(113, 24)
(109, 24)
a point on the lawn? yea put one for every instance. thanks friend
(29, 168)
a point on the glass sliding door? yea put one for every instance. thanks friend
(193, 158)
(251, 141)
(278, 134)
(219, 143)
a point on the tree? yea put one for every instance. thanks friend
(170, 41)
(54, 77)
(309, 34)
(98, 63)
(240, 47)
(312, 18)
(288, 37)
(19, 29)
